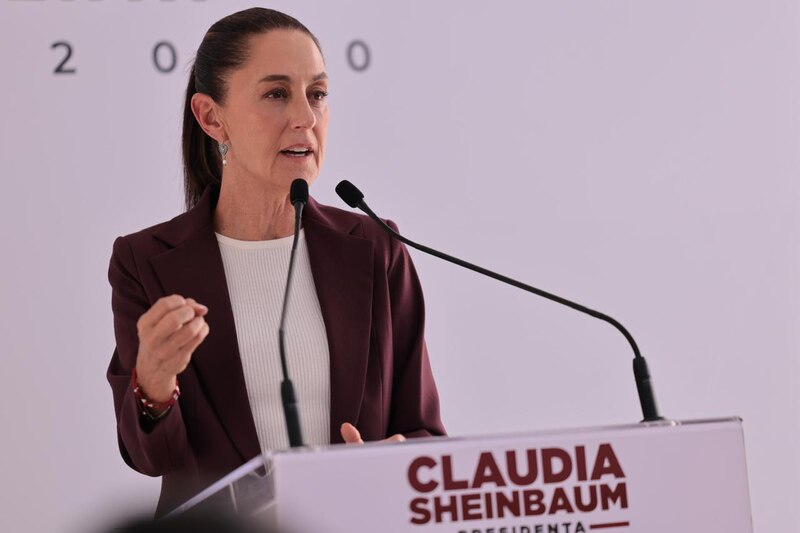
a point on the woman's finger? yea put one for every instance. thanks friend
(177, 340)
(199, 309)
(192, 344)
(163, 305)
(184, 355)
(169, 324)
(350, 434)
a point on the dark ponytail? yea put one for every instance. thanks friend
(224, 48)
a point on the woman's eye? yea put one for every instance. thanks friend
(277, 93)
(319, 95)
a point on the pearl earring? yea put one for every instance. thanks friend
(223, 150)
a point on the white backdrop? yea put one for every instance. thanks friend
(639, 157)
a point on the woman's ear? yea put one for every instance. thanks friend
(207, 113)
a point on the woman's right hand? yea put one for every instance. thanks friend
(169, 332)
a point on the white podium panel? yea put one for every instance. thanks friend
(647, 478)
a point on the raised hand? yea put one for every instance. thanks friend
(169, 332)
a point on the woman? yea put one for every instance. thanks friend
(196, 300)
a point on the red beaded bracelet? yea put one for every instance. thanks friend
(148, 406)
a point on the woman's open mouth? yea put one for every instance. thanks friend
(297, 152)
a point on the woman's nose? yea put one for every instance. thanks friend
(303, 116)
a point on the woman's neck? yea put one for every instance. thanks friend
(252, 211)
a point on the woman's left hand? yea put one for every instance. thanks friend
(351, 435)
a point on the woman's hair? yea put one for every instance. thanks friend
(224, 48)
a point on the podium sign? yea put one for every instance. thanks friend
(648, 478)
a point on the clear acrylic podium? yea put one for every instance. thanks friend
(649, 478)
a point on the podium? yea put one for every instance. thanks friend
(650, 477)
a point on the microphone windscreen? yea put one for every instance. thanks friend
(349, 193)
(299, 191)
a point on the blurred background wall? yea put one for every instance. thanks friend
(638, 157)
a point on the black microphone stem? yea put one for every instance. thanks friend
(298, 213)
(643, 384)
(290, 409)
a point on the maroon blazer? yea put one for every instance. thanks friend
(372, 307)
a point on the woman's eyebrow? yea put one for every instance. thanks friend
(284, 77)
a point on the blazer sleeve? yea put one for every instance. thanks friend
(415, 400)
(152, 448)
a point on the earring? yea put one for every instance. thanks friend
(223, 150)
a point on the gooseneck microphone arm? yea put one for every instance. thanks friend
(298, 196)
(354, 198)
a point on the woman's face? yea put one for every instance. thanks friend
(276, 110)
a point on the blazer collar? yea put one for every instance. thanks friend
(201, 217)
(342, 268)
(198, 219)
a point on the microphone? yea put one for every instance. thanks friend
(298, 195)
(355, 198)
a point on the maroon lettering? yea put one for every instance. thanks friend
(420, 512)
(413, 474)
(581, 504)
(580, 462)
(533, 502)
(447, 476)
(489, 504)
(549, 472)
(560, 502)
(471, 506)
(606, 463)
(487, 472)
(440, 508)
(513, 469)
(618, 495)
(508, 503)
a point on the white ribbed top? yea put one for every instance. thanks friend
(256, 275)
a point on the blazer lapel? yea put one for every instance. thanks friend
(342, 267)
(194, 269)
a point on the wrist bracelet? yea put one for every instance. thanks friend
(148, 406)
